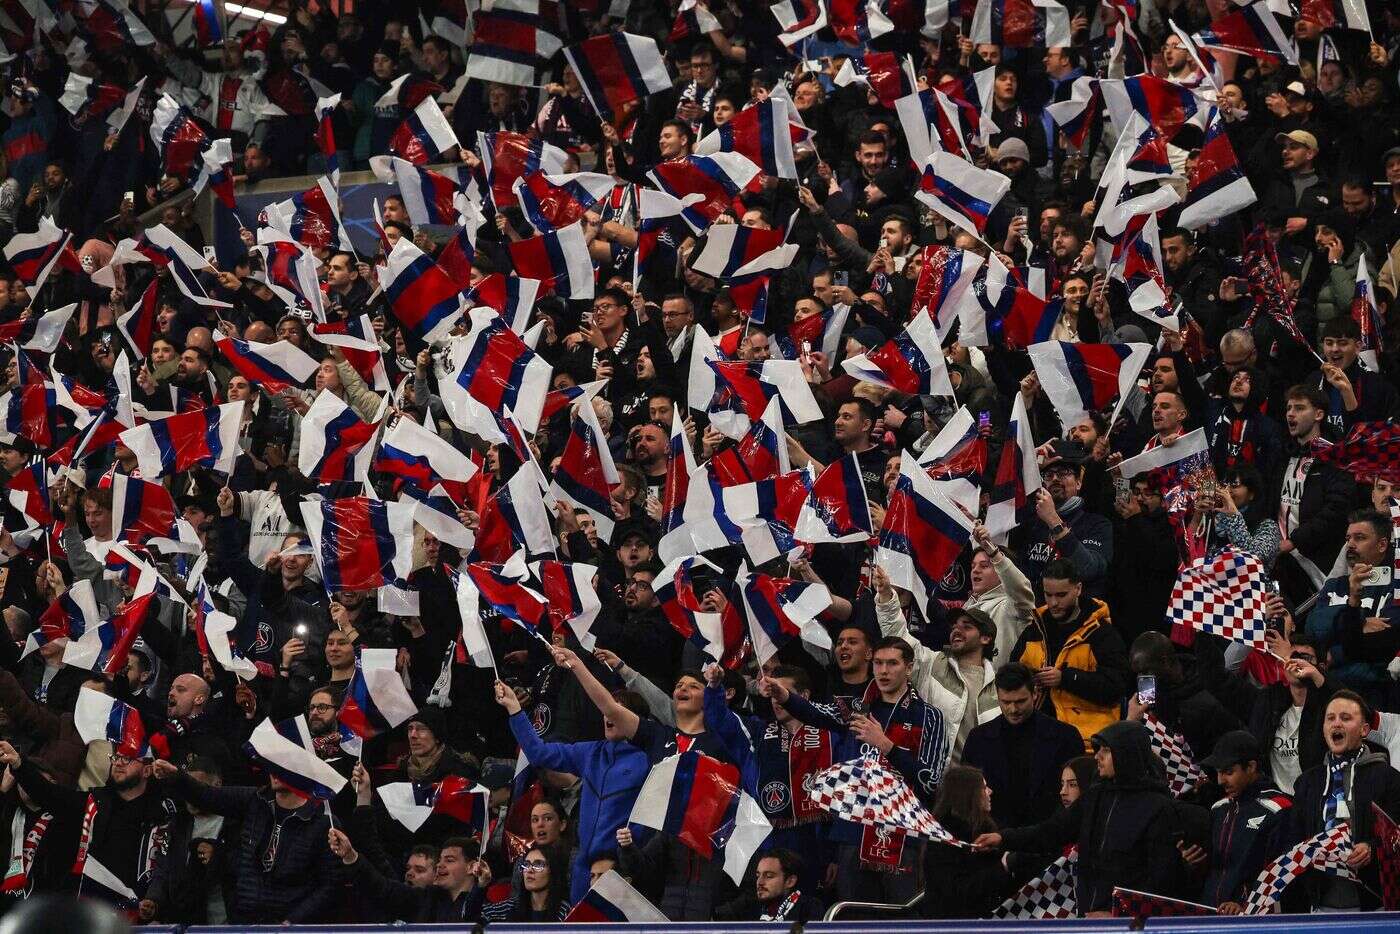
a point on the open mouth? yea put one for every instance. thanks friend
(1337, 737)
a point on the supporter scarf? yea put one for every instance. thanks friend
(786, 764)
(23, 846)
(85, 836)
(327, 746)
(784, 907)
(882, 848)
(1232, 428)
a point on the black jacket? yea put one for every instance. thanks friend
(401, 902)
(1246, 834)
(1328, 495)
(1052, 744)
(1370, 780)
(1186, 707)
(1127, 827)
(959, 884)
(747, 907)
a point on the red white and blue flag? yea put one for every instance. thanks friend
(1076, 116)
(559, 259)
(33, 256)
(1367, 317)
(98, 716)
(944, 277)
(1017, 476)
(429, 197)
(356, 339)
(376, 700)
(335, 443)
(1217, 185)
(273, 367)
(723, 635)
(1021, 24)
(312, 217)
(680, 464)
(325, 136)
(733, 250)
(509, 295)
(586, 475)
(912, 362)
(421, 295)
(922, 535)
(412, 803)
(1252, 30)
(285, 750)
(743, 389)
(41, 332)
(494, 370)
(143, 513)
(507, 156)
(360, 543)
(693, 20)
(780, 609)
(612, 900)
(570, 597)
(699, 801)
(760, 455)
(68, 617)
(962, 193)
(838, 507)
(189, 153)
(798, 19)
(617, 68)
(104, 648)
(551, 202)
(1164, 106)
(717, 179)
(417, 456)
(511, 43)
(206, 438)
(763, 133)
(425, 135)
(498, 590)
(1083, 378)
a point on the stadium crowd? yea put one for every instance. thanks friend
(1031, 680)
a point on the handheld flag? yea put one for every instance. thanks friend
(613, 900)
(204, 438)
(412, 803)
(923, 533)
(100, 716)
(376, 700)
(617, 68)
(1224, 595)
(1083, 378)
(780, 610)
(286, 751)
(962, 193)
(359, 543)
(586, 475)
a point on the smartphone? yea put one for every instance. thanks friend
(210, 255)
(1147, 690)
(842, 278)
(300, 630)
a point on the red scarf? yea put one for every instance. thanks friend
(23, 846)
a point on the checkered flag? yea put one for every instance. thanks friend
(866, 792)
(1327, 852)
(1388, 856)
(1130, 903)
(1051, 895)
(1370, 450)
(1183, 774)
(1223, 594)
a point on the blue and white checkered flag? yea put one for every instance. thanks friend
(1223, 594)
(1327, 852)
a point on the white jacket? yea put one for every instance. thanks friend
(1010, 604)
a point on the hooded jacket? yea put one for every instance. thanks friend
(1127, 827)
(1246, 436)
(1245, 834)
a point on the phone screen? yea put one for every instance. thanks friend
(1147, 690)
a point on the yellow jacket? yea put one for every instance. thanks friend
(1094, 648)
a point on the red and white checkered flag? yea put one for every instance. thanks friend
(1130, 903)
(1183, 774)
(1051, 895)
(1327, 851)
(866, 792)
(1223, 594)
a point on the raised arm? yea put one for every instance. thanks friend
(625, 720)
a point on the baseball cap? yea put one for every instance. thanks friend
(1390, 153)
(1234, 748)
(1296, 87)
(1302, 137)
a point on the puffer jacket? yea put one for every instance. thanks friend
(1094, 663)
(1127, 827)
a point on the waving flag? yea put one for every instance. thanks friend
(655, 211)
(206, 438)
(1252, 30)
(28, 491)
(412, 803)
(1076, 117)
(1349, 14)
(68, 617)
(1181, 457)
(837, 509)
(1130, 903)
(1326, 852)
(612, 900)
(798, 19)
(1049, 895)
(586, 476)
(272, 367)
(1083, 378)
(552, 202)
(866, 791)
(473, 646)
(40, 331)
(312, 217)
(356, 340)
(923, 533)
(957, 459)
(98, 716)
(511, 44)
(513, 297)
(138, 325)
(680, 464)
(693, 20)
(617, 68)
(414, 455)
(161, 247)
(1164, 106)
(421, 295)
(1367, 317)
(743, 389)
(945, 275)
(335, 444)
(731, 250)
(325, 136)
(1370, 451)
(492, 369)
(911, 363)
(188, 153)
(717, 179)
(497, 590)
(758, 515)
(1139, 267)
(424, 136)
(1223, 595)
(698, 801)
(33, 256)
(359, 543)
(722, 636)
(1017, 476)
(289, 270)
(285, 750)
(428, 197)
(31, 409)
(507, 156)
(376, 700)
(104, 648)
(780, 609)
(760, 455)
(1266, 288)
(559, 259)
(567, 587)
(962, 193)
(88, 99)
(144, 513)
(822, 331)
(762, 133)
(1021, 24)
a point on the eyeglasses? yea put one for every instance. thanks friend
(320, 706)
(119, 759)
(534, 865)
(604, 306)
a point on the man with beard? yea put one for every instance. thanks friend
(642, 633)
(1314, 499)
(126, 821)
(455, 895)
(1172, 372)
(191, 731)
(1352, 776)
(776, 896)
(1185, 704)
(1354, 394)
(1076, 653)
(957, 680)
(1359, 602)
(650, 444)
(852, 654)
(1239, 431)
(321, 710)
(1063, 528)
(1194, 274)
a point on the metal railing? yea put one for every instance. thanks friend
(835, 910)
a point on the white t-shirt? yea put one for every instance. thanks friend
(1283, 758)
